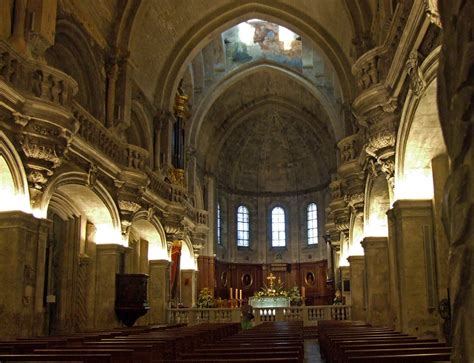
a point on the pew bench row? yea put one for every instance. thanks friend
(348, 342)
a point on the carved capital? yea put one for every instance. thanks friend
(174, 226)
(342, 219)
(356, 202)
(381, 137)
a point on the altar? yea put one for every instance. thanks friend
(269, 302)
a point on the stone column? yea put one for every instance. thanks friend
(357, 274)
(455, 95)
(108, 263)
(376, 276)
(188, 287)
(440, 170)
(345, 279)
(212, 207)
(22, 274)
(143, 266)
(159, 290)
(6, 14)
(414, 265)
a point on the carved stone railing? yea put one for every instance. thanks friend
(35, 79)
(178, 194)
(96, 134)
(137, 157)
(197, 215)
(158, 185)
(310, 315)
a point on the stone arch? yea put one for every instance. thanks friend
(13, 182)
(94, 201)
(73, 54)
(356, 234)
(188, 259)
(151, 230)
(241, 73)
(419, 138)
(377, 203)
(229, 15)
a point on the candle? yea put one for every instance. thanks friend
(240, 294)
(231, 293)
(303, 292)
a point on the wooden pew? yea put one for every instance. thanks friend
(116, 355)
(344, 343)
(83, 358)
(267, 342)
(411, 358)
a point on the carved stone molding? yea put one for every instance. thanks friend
(337, 190)
(174, 226)
(349, 148)
(342, 219)
(382, 137)
(417, 82)
(43, 146)
(356, 202)
(432, 11)
(35, 79)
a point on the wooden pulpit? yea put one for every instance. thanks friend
(131, 297)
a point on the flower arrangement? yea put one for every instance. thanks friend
(279, 291)
(205, 299)
(338, 299)
(295, 296)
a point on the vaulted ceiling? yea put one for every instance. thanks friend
(263, 126)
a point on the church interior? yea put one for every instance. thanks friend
(169, 162)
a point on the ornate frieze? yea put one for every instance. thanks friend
(366, 69)
(337, 191)
(43, 146)
(348, 148)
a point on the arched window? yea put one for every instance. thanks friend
(243, 235)
(219, 225)
(278, 227)
(312, 223)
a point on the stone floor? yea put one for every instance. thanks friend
(311, 351)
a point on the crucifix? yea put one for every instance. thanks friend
(271, 279)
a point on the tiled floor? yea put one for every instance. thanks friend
(311, 351)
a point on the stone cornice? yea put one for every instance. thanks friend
(399, 44)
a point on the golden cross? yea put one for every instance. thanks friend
(271, 279)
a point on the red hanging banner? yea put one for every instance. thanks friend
(175, 259)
